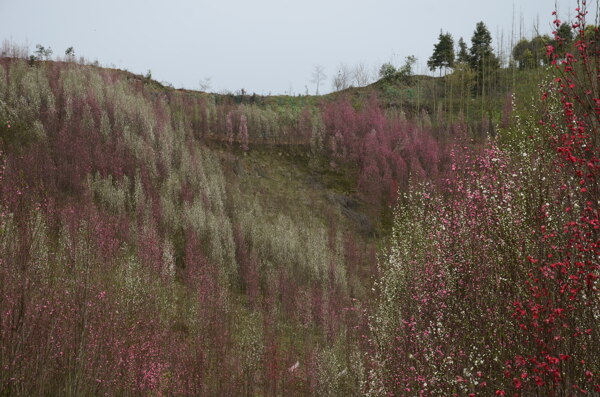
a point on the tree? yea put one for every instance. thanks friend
(564, 33)
(481, 54)
(592, 34)
(42, 52)
(443, 53)
(531, 54)
(563, 39)
(463, 52)
(341, 81)
(483, 60)
(205, 84)
(406, 71)
(522, 54)
(70, 53)
(360, 75)
(539, 48)
(318, 75)
(387, 70)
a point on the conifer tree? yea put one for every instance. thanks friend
(481, 52)
(463, 52)
(443, 53)
(483, 60)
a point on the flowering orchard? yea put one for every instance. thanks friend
(491, 284)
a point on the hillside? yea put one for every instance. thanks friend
(194, 221)
(138, 235)
(415, 235)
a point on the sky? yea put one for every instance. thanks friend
(262, 46)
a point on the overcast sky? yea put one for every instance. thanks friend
(263, 46)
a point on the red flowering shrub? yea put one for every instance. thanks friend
(559, 315)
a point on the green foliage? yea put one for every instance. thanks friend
(387, 70)
(70, 53)
(531, 54)
(43, 53)
(443, 53)
(463, 52)
(405, 73)
(481, 54)
(565, 33)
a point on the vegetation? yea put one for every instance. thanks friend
(491, 283)
(419, 236)
(443, 53)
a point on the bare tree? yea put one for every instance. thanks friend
(13, 50)
(341, 80)
(318, 75)
(360, 75)
(205, 84)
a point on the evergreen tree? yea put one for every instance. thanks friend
(463, 52)
(563, 39)
(483, 61)
(443, 53)
(481, 52)
(565, 32)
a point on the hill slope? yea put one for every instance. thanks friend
(143, 251)
(161, 241)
